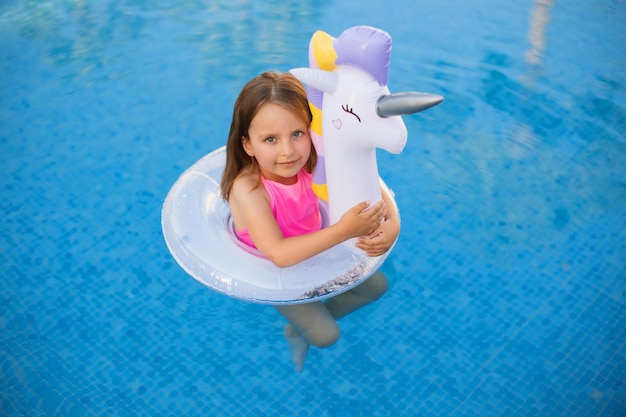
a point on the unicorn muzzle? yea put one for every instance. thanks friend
(405, 103)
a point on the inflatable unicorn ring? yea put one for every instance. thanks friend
(353, 114)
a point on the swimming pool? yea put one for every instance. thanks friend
(508, 291)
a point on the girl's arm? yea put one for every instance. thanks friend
(250, 208)
(379, 242)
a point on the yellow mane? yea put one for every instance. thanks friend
(325, 56)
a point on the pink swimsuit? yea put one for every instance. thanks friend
(294, 207)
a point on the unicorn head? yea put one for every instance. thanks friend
(347, 85)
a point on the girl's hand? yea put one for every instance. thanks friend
(362, 219)
(379, 242)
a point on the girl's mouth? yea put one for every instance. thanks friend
(288, 163)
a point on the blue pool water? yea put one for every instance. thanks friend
(508, 283)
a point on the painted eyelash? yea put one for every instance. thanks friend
(349, 110)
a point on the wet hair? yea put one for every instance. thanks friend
(269, 87)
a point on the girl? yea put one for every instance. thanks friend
(267, 183)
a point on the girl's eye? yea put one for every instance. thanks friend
(348, 109)
(271, 139)
(298, 134)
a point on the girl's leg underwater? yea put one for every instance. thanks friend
(309, 324)
(315, 323)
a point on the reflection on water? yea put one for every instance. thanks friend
(100, 38)
(73, 30)
(540, 17)
(523, 164)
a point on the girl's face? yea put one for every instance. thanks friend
(280, 141)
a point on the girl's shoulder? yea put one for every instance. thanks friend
(248, 185)
(248, 198)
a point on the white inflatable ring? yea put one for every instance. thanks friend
(198, 232)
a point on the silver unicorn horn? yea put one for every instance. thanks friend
(406, 103)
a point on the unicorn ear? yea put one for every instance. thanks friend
(325, 81)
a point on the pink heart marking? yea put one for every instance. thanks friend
(337, 123)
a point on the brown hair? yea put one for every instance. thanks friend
(269, 87)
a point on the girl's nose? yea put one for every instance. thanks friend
(287, 147)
